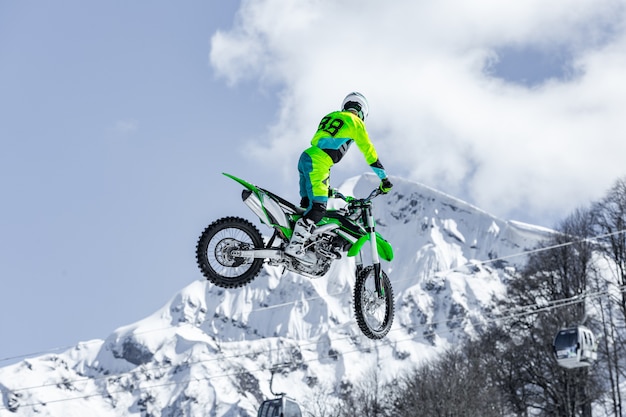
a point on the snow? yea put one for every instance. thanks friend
(209, 351)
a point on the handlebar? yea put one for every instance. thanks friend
(356, 201)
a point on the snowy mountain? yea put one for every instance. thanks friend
(209, 351)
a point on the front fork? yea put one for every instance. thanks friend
(371, 229)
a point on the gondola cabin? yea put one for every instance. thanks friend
(575, 347)
(280, 407)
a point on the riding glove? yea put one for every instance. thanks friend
(385, 185)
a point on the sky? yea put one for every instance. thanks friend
(117, 119)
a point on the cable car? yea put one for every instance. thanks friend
(280, 407)
(575, 347)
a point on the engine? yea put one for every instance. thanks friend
(326, 249)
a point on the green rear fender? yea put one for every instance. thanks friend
(385, 251)
(265, 217)
(246, 184)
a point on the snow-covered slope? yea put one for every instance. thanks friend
(209, 351)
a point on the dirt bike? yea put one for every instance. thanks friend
(231, 251)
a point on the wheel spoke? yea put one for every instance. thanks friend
(219, 248)
(374, 308)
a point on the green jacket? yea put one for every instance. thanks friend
(336, 133)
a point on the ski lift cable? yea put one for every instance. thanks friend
(261, 369)
(518, 312)
(564, 302)
(467, 264)
(544, 308)
(556, 246)
(121, 391)
(218, 358)
(213, 359)
(183, 381)
(85, 343)
(470, 263)
(474, 262)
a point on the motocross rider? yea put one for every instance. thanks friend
(335, 133)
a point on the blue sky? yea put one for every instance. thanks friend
(114, 131)
(118, 117)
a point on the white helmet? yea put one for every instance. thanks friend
(358, 103)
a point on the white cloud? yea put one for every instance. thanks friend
(437, 116)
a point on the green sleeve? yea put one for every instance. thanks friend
(362, 140)
(364, 143)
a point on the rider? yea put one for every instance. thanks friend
(335, 133)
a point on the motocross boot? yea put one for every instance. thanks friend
(301, 233)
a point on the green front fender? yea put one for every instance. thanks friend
(385, 251)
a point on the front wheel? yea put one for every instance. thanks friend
(215, 247)
(374, 314)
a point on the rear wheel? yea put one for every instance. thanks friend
(214, 252)
(374, 314)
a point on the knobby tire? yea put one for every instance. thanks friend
(374, 324)
(212, 252)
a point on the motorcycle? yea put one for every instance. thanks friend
(231, 251)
